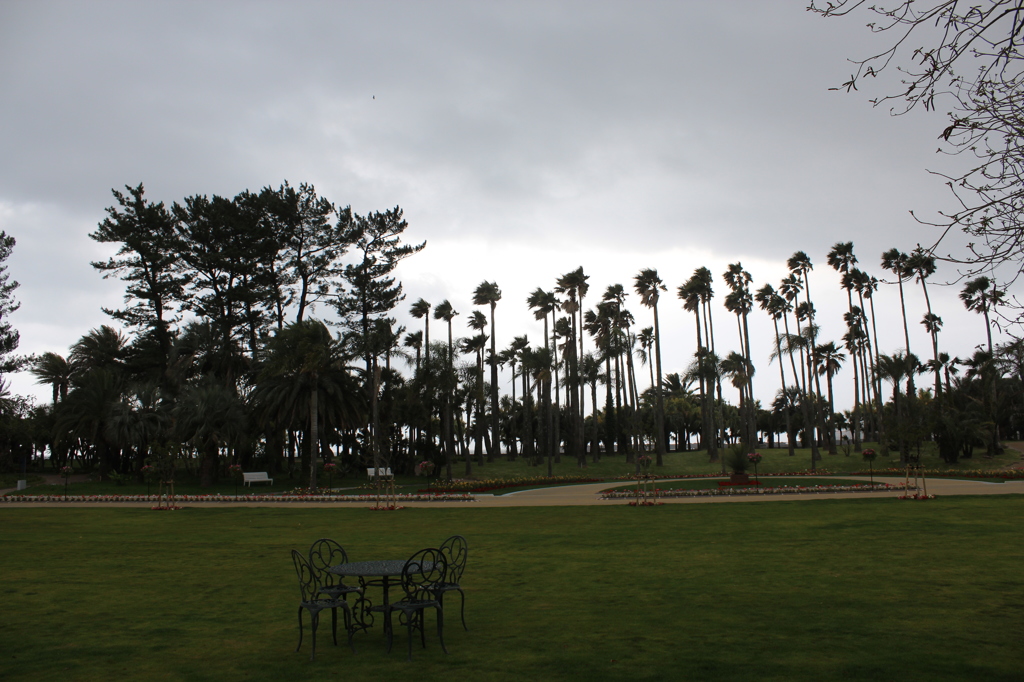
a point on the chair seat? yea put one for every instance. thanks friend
(414, 604)
(445, 587)
(321, 604)
(338, 590)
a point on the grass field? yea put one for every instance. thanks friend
(830, 589)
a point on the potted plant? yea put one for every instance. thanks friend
(235, 470)
(66, 471)
(738, 463)
(869, 457)
(330, 468)
(149, 475)
(645, 463)
(425, 468)
(755, 458)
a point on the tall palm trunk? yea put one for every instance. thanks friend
(659, 416)
(495, 411)
(448, 427)
(314, 431)
(782, 378)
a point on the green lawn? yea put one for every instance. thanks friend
(829, 589)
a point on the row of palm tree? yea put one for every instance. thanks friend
(234, 385)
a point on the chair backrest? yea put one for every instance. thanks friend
(422, 571)
(456, 551)
(307, 577)
(323, 554)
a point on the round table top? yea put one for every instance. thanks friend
(381, 567)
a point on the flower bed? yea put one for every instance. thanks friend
(501, 483)
(752, 490)
(287, 497)
(1007, 474)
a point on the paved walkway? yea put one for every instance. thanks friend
(589, 494)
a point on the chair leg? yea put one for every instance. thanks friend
(351, 628)
(315, 617)
(334, 625)
(440, 628)
(408, 629)
(462, 598)
(387, 629)
(300, 630)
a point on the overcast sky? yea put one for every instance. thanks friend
(523, 140)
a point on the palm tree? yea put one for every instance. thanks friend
(537, 363)
(574, 286)
(600, 324)
(649, 287)
(740, 302)
(414, 340)
(696, 293)
(445, 311)
(739, 370)
(304, 356)
(922, 264)
(590, 374)
(830, 360)
(512, 355)
(895, 261)
(210, 416)
(866, 286)
(615, 297)
(488, 293)
(776, 306)
(55, 370)
(982, 295)
(477, 344)
(645, 342)
(800, 265)
(544, 303)
(421, 309)
(842, 260)
(894, 369)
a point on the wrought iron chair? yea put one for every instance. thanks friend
(323, 554)
(456, 551)
(309, 588)
(422, 571)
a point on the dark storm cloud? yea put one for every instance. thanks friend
(630, 128)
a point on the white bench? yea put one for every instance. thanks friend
(372, 473)
(256, 477)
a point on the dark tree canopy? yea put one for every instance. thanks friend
(145, 261)
(9, 337)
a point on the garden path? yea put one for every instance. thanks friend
(589, 494)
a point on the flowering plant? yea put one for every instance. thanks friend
(754, 457)
(235, 470)
(869, 455)
(66, 471)
(644, 461)
(330, 468)
(425, 468)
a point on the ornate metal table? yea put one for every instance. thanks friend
(371, 574)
